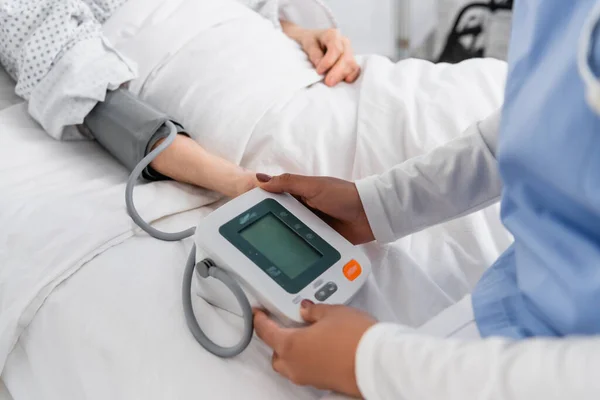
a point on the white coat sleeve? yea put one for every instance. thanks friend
(62, 64)
(453, 180)
(392, 363)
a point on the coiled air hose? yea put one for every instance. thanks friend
(205, 268)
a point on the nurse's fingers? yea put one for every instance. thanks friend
(268, 331)
(312, 313)
(306, 187)
(277, 363)
(280, 366)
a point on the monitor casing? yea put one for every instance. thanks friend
(261, 288)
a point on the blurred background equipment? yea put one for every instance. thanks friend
(437, 30)
(393, 28)
(480, 29)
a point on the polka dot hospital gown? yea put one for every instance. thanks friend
(48, 45)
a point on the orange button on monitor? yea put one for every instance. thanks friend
(352, 270)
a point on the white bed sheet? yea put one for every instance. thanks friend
(7, 91)
(4, 394)
(93, 308)
(115, 329)
(7, 98)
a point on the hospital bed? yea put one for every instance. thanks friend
(4, 395)
(7, 92)
(7, 99)
(90, 307)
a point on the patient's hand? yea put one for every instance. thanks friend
(336, 201)
(329, 51)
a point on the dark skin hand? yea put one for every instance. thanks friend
(336, 201)
(322, 354)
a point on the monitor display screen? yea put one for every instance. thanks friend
(283, 247)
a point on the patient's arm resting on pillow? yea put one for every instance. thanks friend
(186, 161)
(129, 129)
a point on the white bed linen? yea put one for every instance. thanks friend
(7, 98)
(4, 394)
(7, 91)
(114, 329)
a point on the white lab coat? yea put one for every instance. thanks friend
(395, 362)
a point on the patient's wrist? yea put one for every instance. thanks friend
(293, 31)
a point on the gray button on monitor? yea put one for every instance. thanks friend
(326, 291)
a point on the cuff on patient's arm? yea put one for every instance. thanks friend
(128, 128)
(75, 84)
(375, 210)
(370, 369)
(150, 173)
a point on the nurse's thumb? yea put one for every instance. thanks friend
(297, 185)
(312, 312)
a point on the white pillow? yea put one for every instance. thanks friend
(7, 91)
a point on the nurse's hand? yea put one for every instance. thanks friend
(336, 201)
(329, 51)
(321, 355)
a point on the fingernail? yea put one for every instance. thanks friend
(264, 178)
(306, 303)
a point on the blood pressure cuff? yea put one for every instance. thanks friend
(128, 128)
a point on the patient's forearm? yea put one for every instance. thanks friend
(186, 161)
(126, 126)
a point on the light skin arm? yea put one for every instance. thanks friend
(186, 161)
(322, 354)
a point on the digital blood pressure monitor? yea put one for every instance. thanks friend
(281, 253)
(269, 250)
